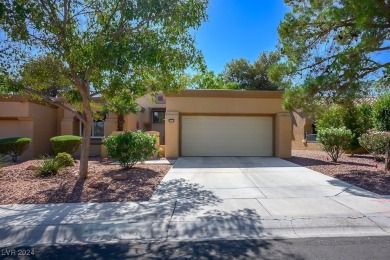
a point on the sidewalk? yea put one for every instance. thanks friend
(182, 209)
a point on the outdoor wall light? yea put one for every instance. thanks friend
(171, 120)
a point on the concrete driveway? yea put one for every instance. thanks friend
(244, 196)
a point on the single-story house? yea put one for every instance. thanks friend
(191, 123)
(227, 123)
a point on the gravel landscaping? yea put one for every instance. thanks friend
(360, 170)
(105, 183)
(109, 183)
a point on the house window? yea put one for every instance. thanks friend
(97, 130)
(160, 98)
(311, 137)
(158, 117)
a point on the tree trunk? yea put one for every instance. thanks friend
(121, 122)
(387, 158)
(83, 88)
(85, 145)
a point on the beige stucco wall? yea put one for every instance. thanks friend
(143, 120)
(14, 108)
(20, 117)
(172, 134)
(131, 122)
(227, 102)
(60, 116)
(218, 105)
(110, 124)
(283, 135)
(44, 127)
(301, 123)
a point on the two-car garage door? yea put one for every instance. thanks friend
(226, 136)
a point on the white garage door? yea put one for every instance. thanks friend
(226, 136)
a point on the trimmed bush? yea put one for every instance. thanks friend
(335, 141)
(65, 143)
(375, 142)
(382, 113)
(14, 146)
(48, 167)
(128, 148)
(64, 159)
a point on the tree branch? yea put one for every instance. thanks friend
(54, 102)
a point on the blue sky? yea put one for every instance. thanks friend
(239, 29)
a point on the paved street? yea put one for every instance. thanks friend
(204, 198)
(346, 248)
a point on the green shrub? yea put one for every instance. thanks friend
(65, 143)
(335, 141)
(48, 167)
(128, 148)
(357, 118)
(14, 146)
(64, 159)
(330, 117)
(381, 113)
(375, 142)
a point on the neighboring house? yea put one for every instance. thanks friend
(304, 134)
(192, 123)
(21, 117)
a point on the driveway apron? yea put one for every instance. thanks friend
(265, 197)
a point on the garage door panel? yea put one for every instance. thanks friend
(226, 136)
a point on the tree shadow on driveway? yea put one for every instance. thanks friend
(141, 230)
(149, 220)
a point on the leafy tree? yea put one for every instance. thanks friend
(208, 80)
(382, 113)
(261, 68)
(355, 117)
(334, 49)
(121, 105)
(251, 76)
(332, 116)
(239, 71)
(107, 48)
(47, 75)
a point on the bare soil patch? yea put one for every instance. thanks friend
(105, 183)
(360, 170)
